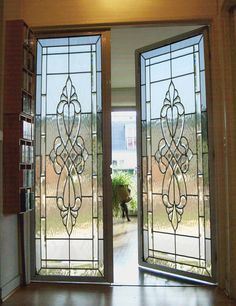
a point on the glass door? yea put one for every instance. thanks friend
(175, 228)
(73, 211)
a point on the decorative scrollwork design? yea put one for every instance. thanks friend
(69, 156)
(173, 156)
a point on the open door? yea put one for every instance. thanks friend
(175, 228)
(73, 213)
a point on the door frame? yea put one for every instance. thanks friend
(211, 159)
(106, 137)
(61, 30)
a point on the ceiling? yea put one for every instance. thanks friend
(124, 42)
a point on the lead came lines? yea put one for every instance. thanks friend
(94, 153)
(43, 161)
(184, 96)
(200, 161)
(149, 164)
(69, 156)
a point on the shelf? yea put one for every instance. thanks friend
(18, 119)
(29, 71)
(23, 141)
(27, 92)
(27, 116)
(30, 49)
(26, 166)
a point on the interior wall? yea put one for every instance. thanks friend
(227, 48)
(12, 9)
(9, 255)
(123, 97)
(60, 12)
(124, 41)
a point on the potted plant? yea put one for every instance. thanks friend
(121, 184)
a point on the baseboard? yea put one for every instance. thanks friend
(10, 287)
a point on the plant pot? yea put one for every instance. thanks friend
(123, 193)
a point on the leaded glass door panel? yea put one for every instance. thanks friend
(175, 227)
(72, 237)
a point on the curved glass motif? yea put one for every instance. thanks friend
(173, 156)
(69, 203)
(175, 193)
(69, 156)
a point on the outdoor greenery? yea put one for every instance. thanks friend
(122, 179)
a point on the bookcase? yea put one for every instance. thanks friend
(18, 118)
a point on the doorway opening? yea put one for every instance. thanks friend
(124, 195)
(73, 157)
(127, 233)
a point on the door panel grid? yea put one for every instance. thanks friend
(69, 237)
(174, 190)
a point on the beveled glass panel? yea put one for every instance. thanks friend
(160, 58)
(182, 52)
(55, 228)
(156, 134)
(156, 52)
(160, 71)
(145, 212)
(80, 62)
(57, 249)
(37, 218)
(51, 178)
(100, 177)
(191, 179)
(99, 91)
(182, 65)
(158, 91)
(144, 135)
(38, 255)
(204, 132)
(185, 87)
(69, 187)
(186, 43)
(164, 242)
(189, 222)
(156, 178)
(144, 173)
(188, 246)
(189, 131)
(175, 176)
(37, 176)
(207, 217)
(81, 250)
(99, 133)
(83, 228)
(57, 63)
(55, 50)
(86, 178)
(142, 63)
(161, 222)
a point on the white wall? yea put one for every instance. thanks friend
(123, 97)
